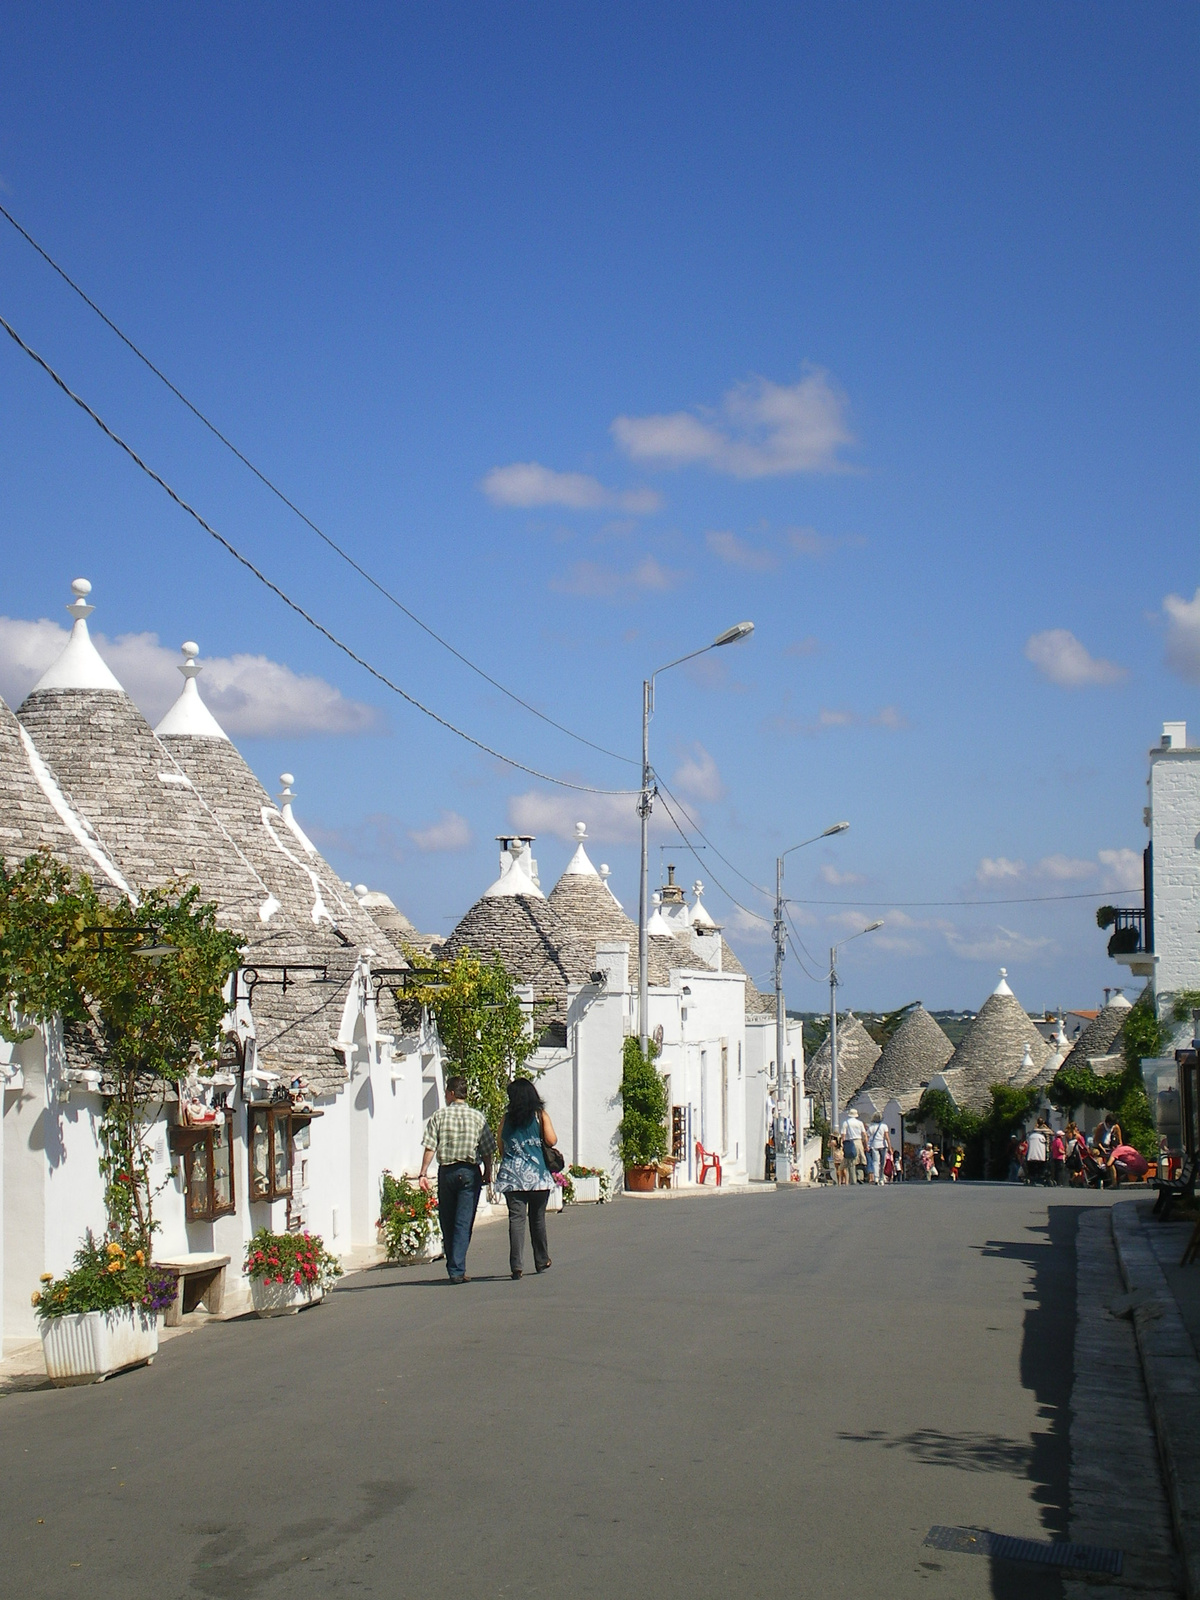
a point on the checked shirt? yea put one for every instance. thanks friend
(459, 1133)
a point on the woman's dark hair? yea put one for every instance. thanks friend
(524, 1103)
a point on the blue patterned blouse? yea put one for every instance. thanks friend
(524, 1165)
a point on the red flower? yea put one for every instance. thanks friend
(298, 1279)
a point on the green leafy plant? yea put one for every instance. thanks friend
(487, 1032)
(1185, 1002)
(643, 1127)
(407, 1216)
(66, 951)
(1123, 1093)
(297, 1258)
(105, 1277)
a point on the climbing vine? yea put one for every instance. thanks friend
(66, 951)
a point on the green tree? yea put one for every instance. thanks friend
(68, 952)
(643, 1127)
(486, 1030)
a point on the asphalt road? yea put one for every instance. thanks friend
(753, 1395)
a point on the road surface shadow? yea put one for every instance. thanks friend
(1048, 1370)
(968, 1452)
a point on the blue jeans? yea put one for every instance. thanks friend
(458, 1196)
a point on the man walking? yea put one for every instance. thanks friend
(854, 1135)
(460, 1138)
(879, 1142)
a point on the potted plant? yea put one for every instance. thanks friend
(408, 1227)
(588, 1184)
(288, 1271)
(102, 1315)
(643, 1128)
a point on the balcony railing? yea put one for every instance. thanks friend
(1129, 932)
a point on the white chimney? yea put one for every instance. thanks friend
(1174, 736)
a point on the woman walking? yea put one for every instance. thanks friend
(524, 1178)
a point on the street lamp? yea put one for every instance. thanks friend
(740, 630)
(783, 1166)
(833, 983)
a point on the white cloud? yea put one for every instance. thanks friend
(808, 542)
(837, 880)
(1122, 869)
(610, 818)
(593, 582)
(745, 928)
(449, 832)
(697, 775)
(997, 944)
(526, 484)
(1065, 869)
(251, 696)
(1058, 655)
(762, 429)
(836, 718)
(890, 717)
(999, 869)
(1183, 636)
(736, 552)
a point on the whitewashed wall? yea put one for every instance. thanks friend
(1175, 831)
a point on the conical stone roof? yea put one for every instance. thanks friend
(916, 1050)
(993, 1050)
(1102, 1034)
(532, 940)
(857, 1054)
(584, 902)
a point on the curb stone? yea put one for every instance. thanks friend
(1172, 1373)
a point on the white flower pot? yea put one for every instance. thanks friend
(278, 1299)
(89, 1345)
(431, 1250)
(555, 1202)
(586, 1190)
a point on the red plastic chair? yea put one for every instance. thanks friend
(707, 1160)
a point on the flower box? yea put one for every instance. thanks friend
(86, 1346)
(586, 1190)
(278, 1299)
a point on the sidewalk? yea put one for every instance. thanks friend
(1164, 1305)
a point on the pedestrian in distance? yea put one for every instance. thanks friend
(524, 1178)
(837, 1157)
(928, 1164)
(956, 1165)
(1058, 1158)
(459, 1136)
(1037, 1152)
(879, 1146)
(854, 1143)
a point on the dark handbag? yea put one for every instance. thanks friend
(552, 1155)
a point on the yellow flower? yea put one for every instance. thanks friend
(115, 1266)
(34, 1298)
(114, 1249)
(139, 1257)
(47, 1277)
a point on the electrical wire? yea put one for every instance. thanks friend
(1028, 900)
(293, 507)
(520, 766)
(757, 887)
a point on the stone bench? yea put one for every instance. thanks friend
(200, 1280)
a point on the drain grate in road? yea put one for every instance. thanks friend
(980, 1542)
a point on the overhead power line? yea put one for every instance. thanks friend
(274, 488)
(520, 766)
(1026, 900)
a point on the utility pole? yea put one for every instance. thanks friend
(783, 1157)
(833, 1083)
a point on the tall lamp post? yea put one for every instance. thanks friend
(731, 636)
(783, 1164)
(833, 984)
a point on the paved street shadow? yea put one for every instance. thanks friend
(235, 1561)
(1048, 1370)
(967, 1452)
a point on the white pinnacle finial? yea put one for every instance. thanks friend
(189, 717)
(287, 794)
(1004, 972)
(581, 831)
(697, 888)
(79, 607)
(190, 665)
(605, 869)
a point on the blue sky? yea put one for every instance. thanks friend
(590, 332)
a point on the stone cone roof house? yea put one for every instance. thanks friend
(153, 821)
(586, 905)
(394, 925)
(857, 1055)
(993, 1050)
(1099, 1045)
(916, 1050)
(36, 815)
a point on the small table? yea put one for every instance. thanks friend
(200, 1280)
